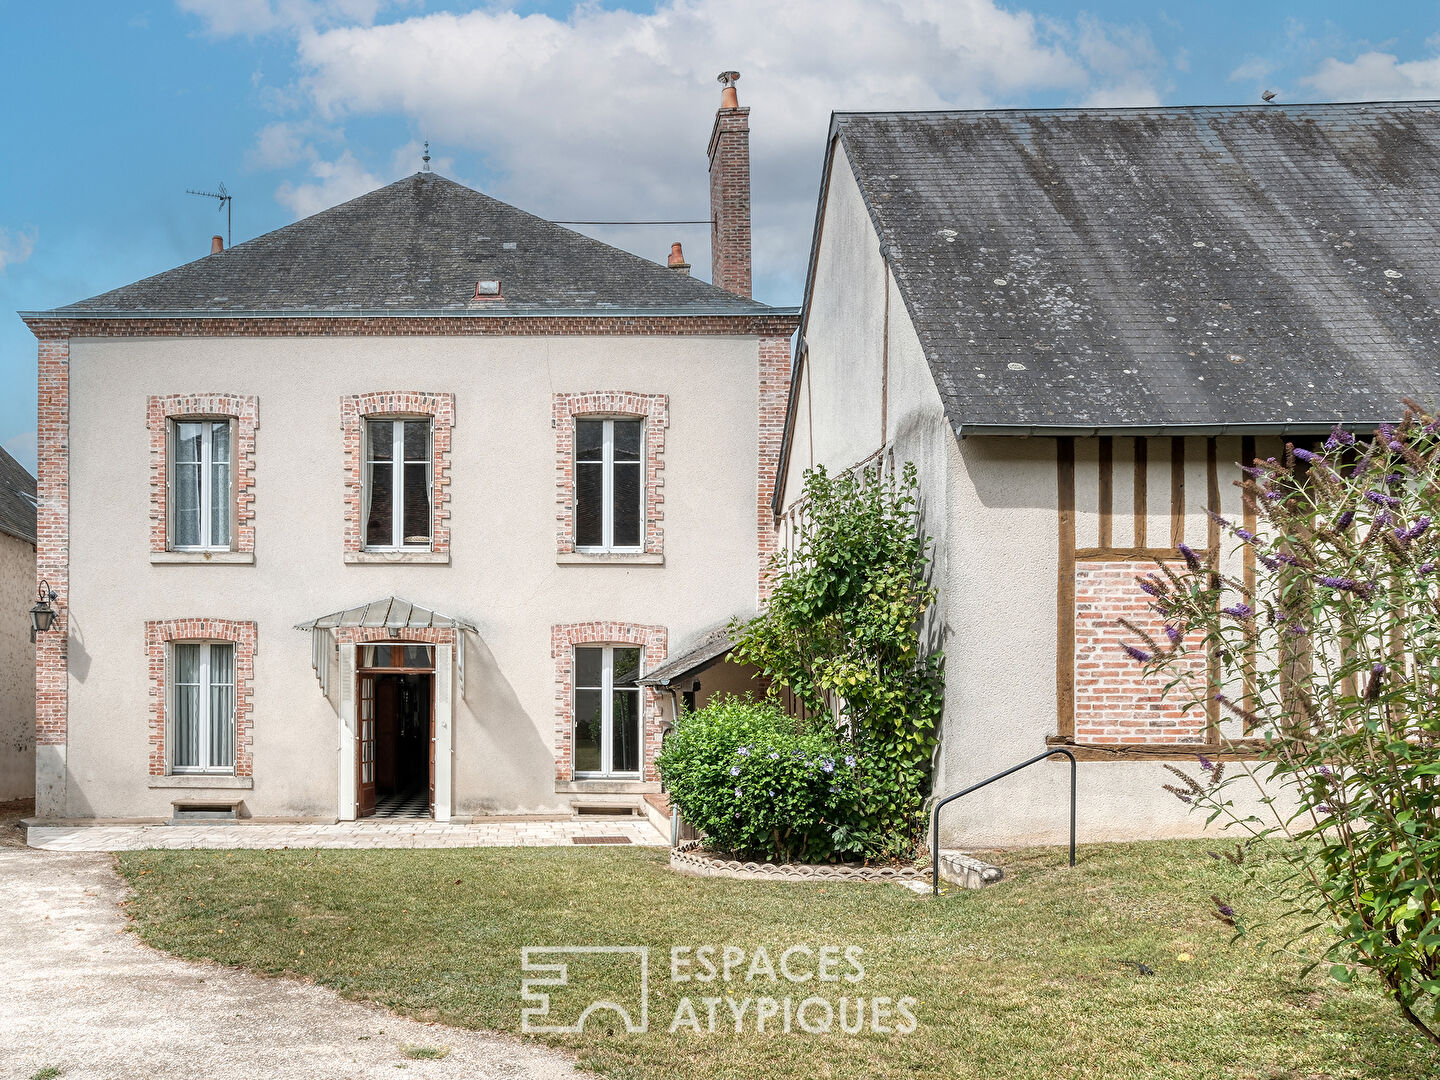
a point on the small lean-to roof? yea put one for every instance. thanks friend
(417, 247)
(17, 499)
(709, 650)
(1163, 269)
(389, 613)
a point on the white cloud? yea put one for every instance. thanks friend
(1376, 76)
(16, 246)
(335, 182)
(606, 114)
(280, 145)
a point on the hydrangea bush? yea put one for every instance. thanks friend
(746, 775)
(1331, 663)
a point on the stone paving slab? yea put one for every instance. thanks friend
(345, 835)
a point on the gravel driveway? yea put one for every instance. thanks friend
(78, 994)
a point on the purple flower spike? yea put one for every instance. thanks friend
(1226, 910)
(1339, 437)
(1138, 655)
(1271, 563)
(1149, 585)
(1305, 455)
(1291, 560)
(1377, 669)
(1379, 498)
(1342, 584)
(1396, 445)
(1191, 559)
(1238, 611)
(1245, 534)
(1173, 633)
(1205, 763)
(1273, 495)
(1427, 568)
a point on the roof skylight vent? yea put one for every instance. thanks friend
(486, 290)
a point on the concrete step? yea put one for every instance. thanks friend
(966, 871)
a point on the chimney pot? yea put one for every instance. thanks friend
(729, 99)
(677, 259)
(217, 245)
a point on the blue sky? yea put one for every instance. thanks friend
(601, 110)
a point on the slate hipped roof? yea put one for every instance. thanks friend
(1162, 268)
(17, 499)
(418, 246)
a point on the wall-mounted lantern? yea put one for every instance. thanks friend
(42, 615)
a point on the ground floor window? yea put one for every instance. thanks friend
(202, 724)
(607, 737)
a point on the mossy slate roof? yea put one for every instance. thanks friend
(1163, 267)
(17, 499)
(418, 245)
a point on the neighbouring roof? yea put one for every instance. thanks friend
(1163, 268)
(391, 612)
(17, 499)
(418, 246)
(709, 650)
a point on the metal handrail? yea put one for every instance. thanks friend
(935, 814)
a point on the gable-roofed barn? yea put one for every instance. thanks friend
(1078, 323)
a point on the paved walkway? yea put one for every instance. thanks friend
(79, 995)
(345, 834)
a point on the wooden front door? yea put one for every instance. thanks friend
(432, 746)
(365, 750)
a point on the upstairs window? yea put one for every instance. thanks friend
(609, 484)
(202, 506)
(607, 711)
(202, 704)
(398, 485)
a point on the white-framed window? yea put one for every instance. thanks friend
(609, 484)
(202, 494)
(608, 732)
(202, 707)
(398, 482)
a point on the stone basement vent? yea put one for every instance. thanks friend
(600, 840)
(184, 811)
(604, 810)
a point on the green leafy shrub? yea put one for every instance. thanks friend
(842, 632)
(745, 775)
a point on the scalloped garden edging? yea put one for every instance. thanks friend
(955, 868)
(689, 858)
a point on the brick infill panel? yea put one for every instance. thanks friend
(654, 409)
(245, 411)
(775, 374)
(158, 634)
(563, 639)
(1114, 702)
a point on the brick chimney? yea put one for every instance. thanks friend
(730, 191)
(217, 245)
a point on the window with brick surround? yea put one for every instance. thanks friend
(603, 719)
(202, 473)
(397, 492)
(201, 684)
(609, 472)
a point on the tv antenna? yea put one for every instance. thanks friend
(225, 197)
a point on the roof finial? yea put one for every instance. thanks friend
(425, 158)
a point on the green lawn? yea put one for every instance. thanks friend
(1018, 981)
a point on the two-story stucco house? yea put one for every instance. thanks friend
(17, 651)
(389, 510)
(1078, 323)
